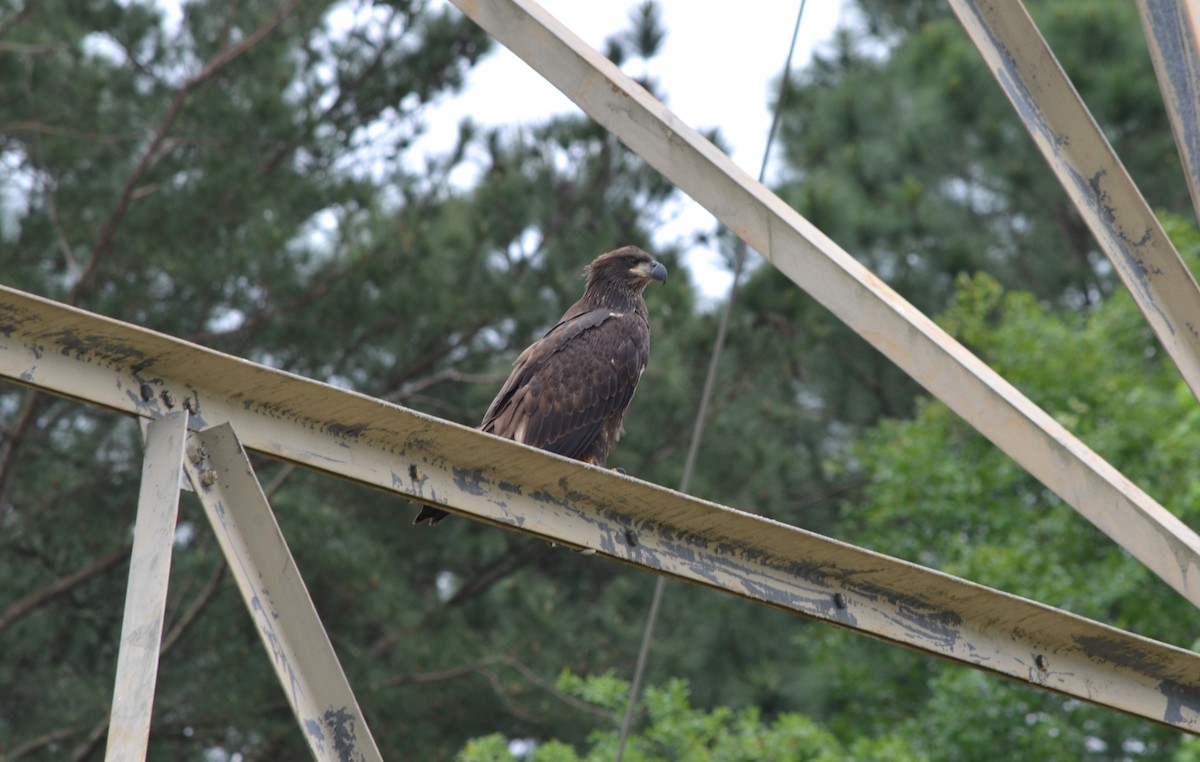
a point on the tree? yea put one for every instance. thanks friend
(236, 177)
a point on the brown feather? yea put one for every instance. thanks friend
(569, 390)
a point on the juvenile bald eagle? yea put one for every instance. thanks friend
(569, 390)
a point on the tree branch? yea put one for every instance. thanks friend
(8, 23)
(507, 564)
(205, 597)
(326, 116)
(97, 734)
(159, 147)
(446, 674)
(22, 48)
(483, 666)
(51, 205)
(10, 441)
(553, 690)
(33, 744)
(37, 598)
(505, 699)
(447, 374)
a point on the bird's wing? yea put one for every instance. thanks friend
(569, 383)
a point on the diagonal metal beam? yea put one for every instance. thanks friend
(276, 598)
(1172, 30)
(1095, 180)
(146, 597)
(851, 292)
(116, 365)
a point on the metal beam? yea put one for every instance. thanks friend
(276, 598)
(1172, 30)
(146, 597)
(1095, 180)
(133, 370)
(851, 292)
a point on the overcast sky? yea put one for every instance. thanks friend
(717, 67)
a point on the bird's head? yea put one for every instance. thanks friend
(627, 267)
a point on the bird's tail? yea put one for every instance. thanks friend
(432, 515)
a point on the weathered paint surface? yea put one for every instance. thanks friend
(1092, 175)
(1171, 29)
(146, 598)
(275, 595)
(494, 480)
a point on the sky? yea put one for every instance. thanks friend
(719, 65)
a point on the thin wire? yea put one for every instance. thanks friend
(705, 395)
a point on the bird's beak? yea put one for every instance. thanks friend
(652, 270)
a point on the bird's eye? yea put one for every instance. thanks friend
(631, 261)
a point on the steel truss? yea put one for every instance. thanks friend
(194, 398)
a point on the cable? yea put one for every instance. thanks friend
(702, 412)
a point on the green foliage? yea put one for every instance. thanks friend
(1103, 375)
(676, 730)
(943, 496)
(1188, 751)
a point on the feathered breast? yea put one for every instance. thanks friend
(574, 384)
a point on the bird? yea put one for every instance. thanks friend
(569, 390)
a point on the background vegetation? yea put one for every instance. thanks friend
(238, 177)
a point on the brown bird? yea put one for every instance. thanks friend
(569, 390)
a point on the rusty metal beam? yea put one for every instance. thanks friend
(1095, 180)
(851, 292)
(275, 595)
(1172, 30)
(146, 597)
(132, 370)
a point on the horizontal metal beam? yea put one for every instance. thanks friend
(1172, 30)
(136, 371)
(907, 337)
(275, 595)
(1095, 180)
